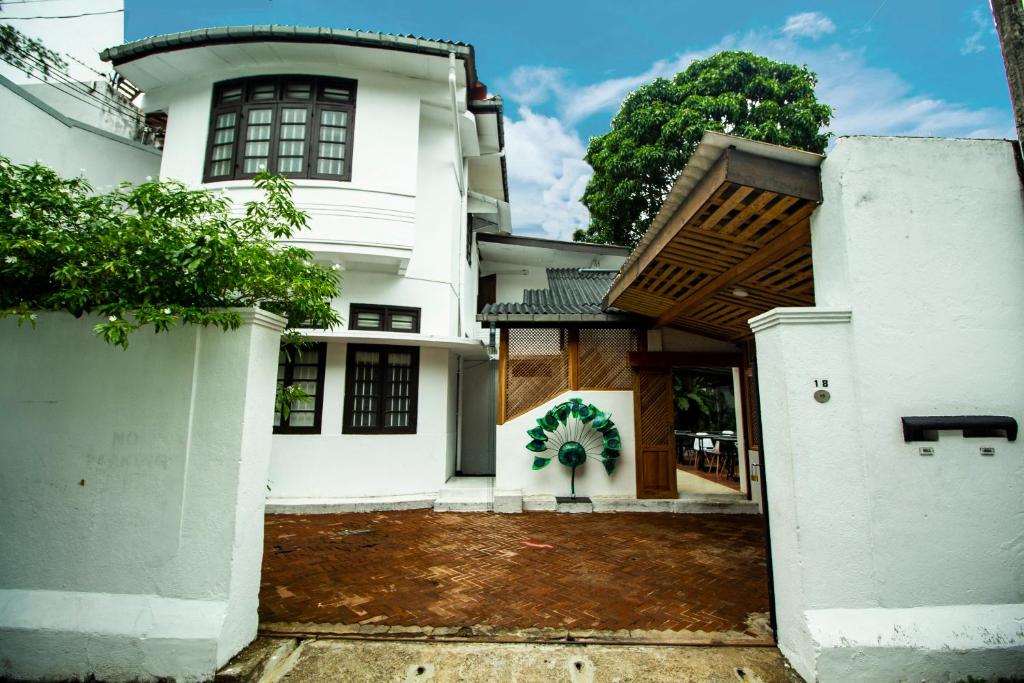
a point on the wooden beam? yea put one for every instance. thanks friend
(793, 237)
(780, 177)
(502, 375)
(686, 359)
(574, 358)
(705, 190)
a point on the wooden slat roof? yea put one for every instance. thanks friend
(737, 219)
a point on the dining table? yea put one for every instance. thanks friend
(714, 436)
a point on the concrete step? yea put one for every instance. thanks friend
(259, 662)
(466, 494)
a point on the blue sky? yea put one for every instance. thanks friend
(911, 67)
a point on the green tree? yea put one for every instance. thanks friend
(153, 255)
(659, 125)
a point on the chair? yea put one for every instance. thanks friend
(729, 460)
(704, 446)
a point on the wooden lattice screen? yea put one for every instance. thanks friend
(604, 358)
(536, 367)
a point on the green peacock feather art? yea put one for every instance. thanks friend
(574, 431)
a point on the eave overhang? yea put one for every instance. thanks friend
(156, 60)
(731, 241)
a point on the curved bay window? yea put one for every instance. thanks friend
(296, 126)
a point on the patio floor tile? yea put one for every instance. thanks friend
(641, 571)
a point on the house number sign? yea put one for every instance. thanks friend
(821, 394)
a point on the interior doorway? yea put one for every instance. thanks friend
(708, 443)
(690, 418)
(479, 382)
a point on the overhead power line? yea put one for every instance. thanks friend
(64, 16)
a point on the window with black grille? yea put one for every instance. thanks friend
(296, 126)
(381, 389)
(384, 318)
(303, 368)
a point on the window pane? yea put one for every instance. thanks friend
(398, 389)
(328, 134)
(292, 115)
(301, 418)
(368, 320)
(232, 94)
(364, 388)
(297, 90)
(307, 372)
(257, 134)
(334, 118)
(308, 356)
(257, 131)
(334, 92)
(221, 152)
(403, 322)
(225, 136)
(293, 131)
(329, 166)
(261, 92)
(331, 150)
(226, 120)
(220, 168)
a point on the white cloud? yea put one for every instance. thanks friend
(547, 174)
(812, 25)
(984, 26)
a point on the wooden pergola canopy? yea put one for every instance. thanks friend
(731, 241)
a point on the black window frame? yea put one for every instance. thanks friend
(318, 400)
(414, 389)
(385, 317)
(314, 105)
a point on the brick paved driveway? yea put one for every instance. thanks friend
(544, 570)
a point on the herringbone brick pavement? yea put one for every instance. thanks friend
(543, 570)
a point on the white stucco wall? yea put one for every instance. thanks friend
(514, 461)
(330, 467)
(81, 37)
(34, 131)
(132, 497)
(890, 565)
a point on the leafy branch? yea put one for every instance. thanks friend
(153, 255)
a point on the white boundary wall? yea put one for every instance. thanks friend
(35, 131)
(890, 565)
(132, 497)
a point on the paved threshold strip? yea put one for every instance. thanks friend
(485, 634)
(313, 660)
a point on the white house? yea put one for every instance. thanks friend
(861, 313)
(396, 151)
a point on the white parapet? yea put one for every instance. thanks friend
(132, 497)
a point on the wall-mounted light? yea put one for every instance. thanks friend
(740, 293)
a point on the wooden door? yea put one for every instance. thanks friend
(487, 291)
(655, 440)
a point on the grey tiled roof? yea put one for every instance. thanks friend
(572, 293)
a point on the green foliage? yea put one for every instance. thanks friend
(153, 255)
(659, 125)
(286, 397)
(695, 394)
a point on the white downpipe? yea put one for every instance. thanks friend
(459, 380)
(460, 177)
(452, 88)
